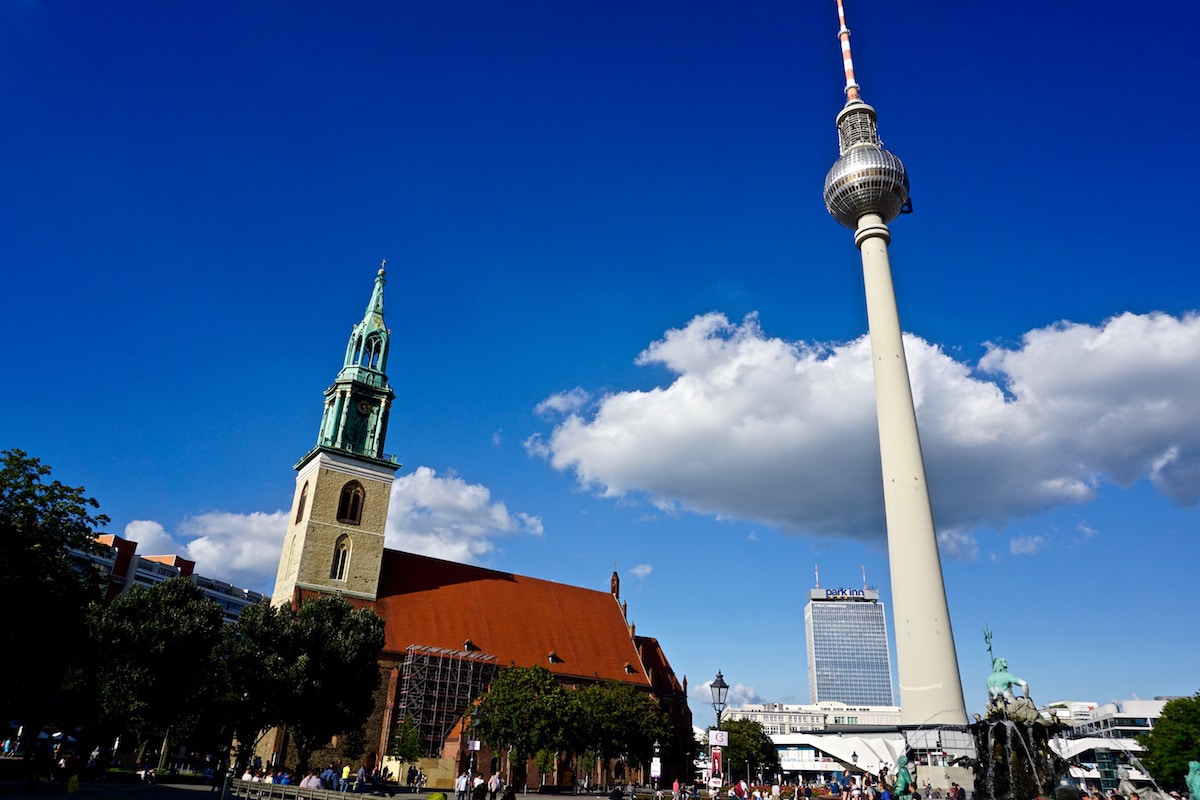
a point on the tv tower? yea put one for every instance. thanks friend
(865, 190)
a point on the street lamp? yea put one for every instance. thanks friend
(720, 690)
(472, 743)
(656, 767)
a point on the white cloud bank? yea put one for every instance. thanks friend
(782, 432)
(436, 516)
(242, 549)
(450, 518)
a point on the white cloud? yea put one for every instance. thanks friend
(1087, 531)
(242, 549)
(1026, 545)
(441, 517)
(152, 538)
(739, 694)
(562, 403)
(759, 428)
(958, 544)
(641, 571)
(449, 518)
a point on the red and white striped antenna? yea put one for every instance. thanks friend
(847, 60)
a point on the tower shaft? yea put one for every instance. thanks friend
(926, 660)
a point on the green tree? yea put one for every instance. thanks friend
(1173, 742)
(254, 675)
(156, 651)
(45, 589)
(748, 744)
(525, 709)
(405, 745)
(332, 652)
(616, 720)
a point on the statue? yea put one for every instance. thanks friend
(1193, 779)
(1001, 681)
(904, 780)
(1001, 699)
(1015, 759)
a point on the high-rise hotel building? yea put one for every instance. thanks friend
(848, 656)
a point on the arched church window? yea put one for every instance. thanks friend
(300, 505)
(350, 505)
(341, 557)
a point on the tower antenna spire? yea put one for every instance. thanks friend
(847, 60)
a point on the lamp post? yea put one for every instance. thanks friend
(472, 744)
(656, 767)
(720, 690)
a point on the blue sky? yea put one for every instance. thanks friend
(626, 333)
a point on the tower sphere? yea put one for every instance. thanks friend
(866, 180)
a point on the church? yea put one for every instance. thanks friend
(448, 626)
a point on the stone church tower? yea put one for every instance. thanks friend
(334, 541)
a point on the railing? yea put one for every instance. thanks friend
(282, 791)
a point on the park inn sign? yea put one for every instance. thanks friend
(843, 593)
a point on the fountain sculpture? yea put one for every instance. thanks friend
(1012, 742)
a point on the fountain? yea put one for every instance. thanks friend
(1014, 760)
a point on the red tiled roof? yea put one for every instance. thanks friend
(427, 601)
(655, 661)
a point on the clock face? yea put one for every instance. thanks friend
(364, 406)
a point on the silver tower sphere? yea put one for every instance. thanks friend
(867, 179)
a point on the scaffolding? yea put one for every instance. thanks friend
(437, 687)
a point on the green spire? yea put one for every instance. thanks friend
(357, 404)
(367, 351)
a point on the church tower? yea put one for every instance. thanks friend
(334, 541)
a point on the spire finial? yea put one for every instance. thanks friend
(847, 61)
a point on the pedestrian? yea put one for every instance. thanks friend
(460, 786)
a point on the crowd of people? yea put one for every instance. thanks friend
(335, 777)
(474, 787)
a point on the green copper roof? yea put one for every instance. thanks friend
(367, 350)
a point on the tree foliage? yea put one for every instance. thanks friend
(405, 744)
(748, 744)
(616, 720)
(1173, 742)
(156, 664)
(526, 709)
(45, 590)
(332, 652)
(254, 672)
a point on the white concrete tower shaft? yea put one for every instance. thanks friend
(866, 189)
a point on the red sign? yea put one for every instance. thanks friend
(716, 763)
